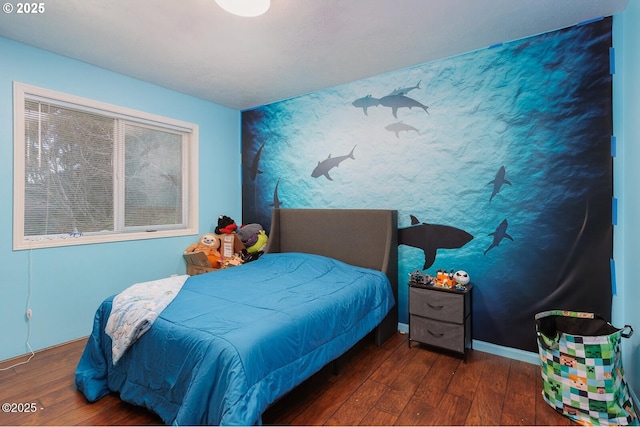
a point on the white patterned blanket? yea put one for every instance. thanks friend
(134, 310)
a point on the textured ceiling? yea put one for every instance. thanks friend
(299, 46)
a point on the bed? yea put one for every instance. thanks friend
(231, 343)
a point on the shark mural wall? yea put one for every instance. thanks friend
(498, 162)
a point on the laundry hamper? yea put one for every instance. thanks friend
(581, 367)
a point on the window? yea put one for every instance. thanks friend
(89, 172)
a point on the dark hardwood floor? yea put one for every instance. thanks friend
(387, 385)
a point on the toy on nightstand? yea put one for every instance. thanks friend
(444, 279)
(462, 279)
(420, 279)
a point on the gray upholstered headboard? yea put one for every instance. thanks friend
(362, 237)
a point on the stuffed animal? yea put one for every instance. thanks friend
(226, 225)
(209, 244)
(261, 243)
(248, 234)
(462, 277)
(253, 237)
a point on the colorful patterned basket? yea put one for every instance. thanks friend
(581, 368)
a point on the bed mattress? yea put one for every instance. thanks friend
(232, 342)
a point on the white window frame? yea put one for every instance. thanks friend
(22, 92)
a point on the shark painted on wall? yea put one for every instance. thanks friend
(329, 163)
(255, 170)
(276, 200)
(431, 237)
(498, 182)
(405, 90)
(398, 127)
(499, 234)
(396, 99)
(366, 102)
(400, 101)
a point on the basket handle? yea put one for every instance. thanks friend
(568, 313)
(625, 332)
(545, 342)
(548, 343)
(553, 343)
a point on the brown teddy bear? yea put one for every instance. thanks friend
(209, 244)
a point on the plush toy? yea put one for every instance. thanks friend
(261, 243)
(226, 225)
(248, 234)
(462, 277)
(209, 244)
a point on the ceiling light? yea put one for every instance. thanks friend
(245, 7)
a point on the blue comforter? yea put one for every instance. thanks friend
(234, 341)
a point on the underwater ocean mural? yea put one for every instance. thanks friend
(498, 162)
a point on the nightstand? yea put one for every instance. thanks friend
(440, 317)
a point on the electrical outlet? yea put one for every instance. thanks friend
(29, 313)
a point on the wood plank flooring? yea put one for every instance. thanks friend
(387, 385)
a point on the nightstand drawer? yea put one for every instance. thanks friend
(448, 307)
(440, 334)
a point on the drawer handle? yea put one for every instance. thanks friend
(436, 307)
(435, 335)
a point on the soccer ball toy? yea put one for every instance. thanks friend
(461, 277)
